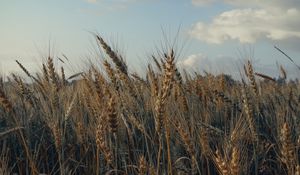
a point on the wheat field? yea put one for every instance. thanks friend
(108, 120)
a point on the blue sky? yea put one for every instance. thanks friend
(216, 35)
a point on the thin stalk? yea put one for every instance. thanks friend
(168, 148)
(159, 154)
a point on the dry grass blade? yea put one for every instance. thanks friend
(9, 131)
(27, 72)
(75, 75)
(156, 63)
(265, 77)
(288, 57)
(65, 57)
(60, 60)
(23, 68)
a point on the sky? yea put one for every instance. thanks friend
(210, 35)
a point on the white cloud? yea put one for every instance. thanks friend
(195, 62)
(253, 3)
(284, 4)
(231, 66)
(274, 20)
(200, 62)
(214, 65)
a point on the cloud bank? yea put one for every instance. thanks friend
(195, 61)
(231, 66)
(250, 21)
(220, 64)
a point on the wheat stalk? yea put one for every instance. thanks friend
(7, 105)
(234, 163)
(221, 164)
(142, 166)
(119, 62)
(101, 143)
(250, 75)
(112, 115)
(287, 149)
(249, 114)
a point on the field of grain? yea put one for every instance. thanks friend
(109, 120)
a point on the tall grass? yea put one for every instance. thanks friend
(112, 121)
